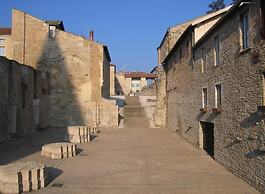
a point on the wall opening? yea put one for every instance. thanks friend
(207, 137)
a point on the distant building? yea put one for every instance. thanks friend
(5, 43)
(129, 83)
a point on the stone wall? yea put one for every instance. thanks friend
(18, 95)
(112, 80)
(160, 85)
(239, 127)
(78, 68)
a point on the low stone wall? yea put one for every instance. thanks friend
(21, 104)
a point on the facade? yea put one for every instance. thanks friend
(23, 99)
(130, 83)
(200, 26)
(215, 91)
(5, 43)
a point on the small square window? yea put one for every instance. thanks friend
(52, 30)
(2, 41)
(2, 51)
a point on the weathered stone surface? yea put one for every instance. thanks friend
(239, 127)
(58, 150)
(77, 134)
(20, 85)
(79, 69)
(23, 177)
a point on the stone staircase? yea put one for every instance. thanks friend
(134, 114)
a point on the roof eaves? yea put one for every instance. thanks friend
(219, 22)
(190, 27)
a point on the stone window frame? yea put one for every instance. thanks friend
(204, 101)
(216, 96)
(217, 50)
(244, 30)
(203, 60)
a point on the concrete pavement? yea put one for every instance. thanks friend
(132, 160)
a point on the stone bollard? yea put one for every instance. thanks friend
(23, 177)
(94, 128)
(59, 150)
(77, 134)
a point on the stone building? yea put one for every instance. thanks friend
(172, 35)
(79, 70)
(215, 90)
(23, 99)
(127, 83)
(5, 43)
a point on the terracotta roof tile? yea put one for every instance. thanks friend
(5, 31)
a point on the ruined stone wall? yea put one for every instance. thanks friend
(17, 95)
(239, 128)
(78, 68)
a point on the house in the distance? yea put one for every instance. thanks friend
(130, 83)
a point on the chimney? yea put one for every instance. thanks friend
(91, 35)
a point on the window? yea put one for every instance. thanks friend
(2, 51)
(203, 60)
(218, 96)
(217, 50)
(52, 30)
(244, 31)
(204, 98)
(180, 53)
(262, 10)
(188, 47)
(263, 82)
(2, 41)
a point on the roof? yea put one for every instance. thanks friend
(58, 23)
(193, 25)
(5, 31)
(107, 52)
(179, 29)
(220, 22)
(139, 75)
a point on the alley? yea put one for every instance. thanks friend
(129, 160)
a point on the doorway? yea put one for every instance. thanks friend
(208, 137)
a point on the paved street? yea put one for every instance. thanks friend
(133, 160)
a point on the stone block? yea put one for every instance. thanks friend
(77, 134)
(23, 177)
(59, 150)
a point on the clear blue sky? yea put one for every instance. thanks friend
(132, 29)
